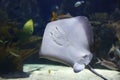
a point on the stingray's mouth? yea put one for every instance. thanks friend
(81, 64)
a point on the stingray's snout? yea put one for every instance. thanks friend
(82, 62)
(78, 67)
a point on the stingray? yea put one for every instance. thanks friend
(68, 41)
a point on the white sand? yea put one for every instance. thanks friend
(54, 72)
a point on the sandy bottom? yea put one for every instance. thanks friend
(55, 72)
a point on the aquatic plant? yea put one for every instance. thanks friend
(15, 48)
(106, 33)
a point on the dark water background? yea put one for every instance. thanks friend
(40, 10)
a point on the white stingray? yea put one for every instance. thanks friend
(67, 41)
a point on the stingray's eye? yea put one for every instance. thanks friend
(85, 56)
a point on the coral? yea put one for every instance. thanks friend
(106, 33)
(15, 48)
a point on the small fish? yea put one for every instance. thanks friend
(56, 7)
(26, 31)
(61, 16)
(108, 64)
(54, 16)
(78, 3)
(28, 27)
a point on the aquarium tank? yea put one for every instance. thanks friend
(60, 39)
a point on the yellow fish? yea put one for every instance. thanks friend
(28, 27)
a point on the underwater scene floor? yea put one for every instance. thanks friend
(57, 72)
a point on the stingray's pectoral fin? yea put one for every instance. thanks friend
(78, 67)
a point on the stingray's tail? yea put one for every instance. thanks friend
(93, 71)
